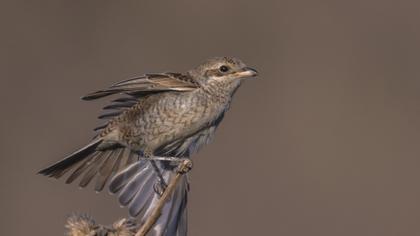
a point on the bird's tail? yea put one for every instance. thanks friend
(60, 168)
(137, 189)
(89, 162)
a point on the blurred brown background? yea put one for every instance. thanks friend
(325, 143)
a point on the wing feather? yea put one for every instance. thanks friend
(148, 83)
(138, 87)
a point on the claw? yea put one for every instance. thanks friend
(159, 187)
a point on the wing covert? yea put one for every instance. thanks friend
(146, 84)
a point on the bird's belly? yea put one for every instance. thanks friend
(170, 121)
(181, 125)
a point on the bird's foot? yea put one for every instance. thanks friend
(160, 187)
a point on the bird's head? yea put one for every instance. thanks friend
(223, 70)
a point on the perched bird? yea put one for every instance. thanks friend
(159, 115)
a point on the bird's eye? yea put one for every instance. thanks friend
(224, 69)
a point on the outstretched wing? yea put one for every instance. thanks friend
(149, 83)
(136, 88)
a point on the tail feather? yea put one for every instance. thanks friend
(108, 167)
(94, 168)
(174, 222)
(90, 162)
(143, 198)
(83, 166)
(182, 224)
(136, 187)
(121, 179)
(58, 169)
(135, 181)
(168, 222)
(132, 158)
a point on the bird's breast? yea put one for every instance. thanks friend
(179, 116)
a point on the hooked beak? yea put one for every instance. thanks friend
(247, 72)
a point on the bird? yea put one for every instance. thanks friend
(167, 115)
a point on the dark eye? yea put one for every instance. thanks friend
(224, 69)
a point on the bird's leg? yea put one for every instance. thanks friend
(161, 185)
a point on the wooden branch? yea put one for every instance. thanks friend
(184, 166)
